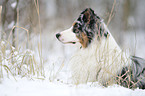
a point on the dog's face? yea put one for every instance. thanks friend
(83, 30)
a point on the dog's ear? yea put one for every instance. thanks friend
(88, 14)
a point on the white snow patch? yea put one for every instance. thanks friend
(8, 52)
(2, 43)
(25, 87)
(13, 5)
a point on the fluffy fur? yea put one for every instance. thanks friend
(99, 57)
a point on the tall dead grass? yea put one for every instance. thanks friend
(14, 61)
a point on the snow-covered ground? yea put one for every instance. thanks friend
(54, 68)
(25, 87)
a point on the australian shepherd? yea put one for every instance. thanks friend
(99, 58)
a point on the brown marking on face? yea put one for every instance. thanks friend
(83, 39)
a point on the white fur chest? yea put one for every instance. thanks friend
(101, 61)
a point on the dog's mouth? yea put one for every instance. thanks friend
(65, 42)
(71, 42)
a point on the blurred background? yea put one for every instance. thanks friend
(127, 24)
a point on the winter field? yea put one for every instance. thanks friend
(25, 87)
(54, 80)
(38, 64)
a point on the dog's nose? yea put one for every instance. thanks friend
(57, 35)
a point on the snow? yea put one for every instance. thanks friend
(2, 43)
(13, 5)
(26, 87)
(57, 84)
(56, 81)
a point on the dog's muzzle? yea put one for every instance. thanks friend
(67, 36)
(58, 35)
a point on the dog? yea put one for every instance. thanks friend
(99, 57)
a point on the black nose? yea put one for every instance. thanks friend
(57, 35)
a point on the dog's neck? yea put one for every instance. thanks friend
(106, 47)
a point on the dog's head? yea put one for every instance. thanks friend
(83, 30)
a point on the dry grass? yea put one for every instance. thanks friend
(15, 61)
